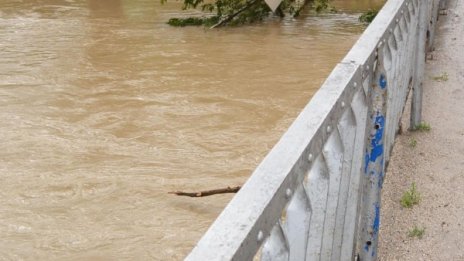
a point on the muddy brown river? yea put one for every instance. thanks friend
(104, 109)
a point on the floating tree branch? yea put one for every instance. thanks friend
(232, 16)
(206, 192)
(237, 12)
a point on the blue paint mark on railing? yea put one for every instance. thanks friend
(366, 162)
(376, 142)
(381, 176)
(366, 247)
(376, 224)
(382, 81)
(375, 227)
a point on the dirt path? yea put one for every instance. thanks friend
(434, 160)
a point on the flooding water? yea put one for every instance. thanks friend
(104, 109)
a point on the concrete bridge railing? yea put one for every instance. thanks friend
(316, 195)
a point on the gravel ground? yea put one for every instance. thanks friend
(435, 163)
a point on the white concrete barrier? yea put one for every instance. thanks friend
(316, 195)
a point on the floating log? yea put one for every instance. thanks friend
(206, 192)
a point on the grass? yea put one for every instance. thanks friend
(416, 232)
(441, 78)
(412, 143)
(410, 197)
(423, 126)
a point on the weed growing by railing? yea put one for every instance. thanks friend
(410, 197)
(441, 78)
(416, 232)
(423, 126)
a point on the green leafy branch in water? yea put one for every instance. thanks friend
(192, 21)
(323, 5)
(238, 12)
(368, 16)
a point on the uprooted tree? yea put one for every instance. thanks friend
(237, 12)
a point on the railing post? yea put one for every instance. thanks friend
(374, 163)
(432, 22)
(416, 103)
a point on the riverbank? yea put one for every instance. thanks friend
(433, 160)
